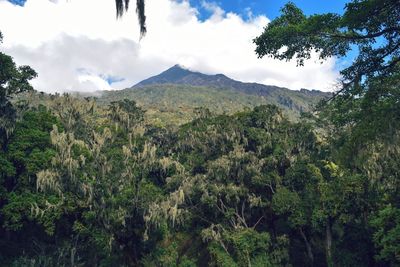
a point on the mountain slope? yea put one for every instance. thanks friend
(174, 94)
(179, 75)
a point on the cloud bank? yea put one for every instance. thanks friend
(78, 45)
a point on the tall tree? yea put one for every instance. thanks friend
(365, 112)
(371, 28)
(13, 80)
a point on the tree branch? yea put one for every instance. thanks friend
(258, 221)
(367, 36)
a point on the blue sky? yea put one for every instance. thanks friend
(18, 2)
(270, 8)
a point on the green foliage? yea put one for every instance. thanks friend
(248, 248)
(219, 257)
(13, 80)
(89, 185)
(178, 104)
(362, 23)
(224, 190)
(359, 126)
(167, 253)
(29, 207)
(29, 148)
(387, 235)
(365, 108)
(7, 171)
(106, 186)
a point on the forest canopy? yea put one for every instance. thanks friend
(88, 184)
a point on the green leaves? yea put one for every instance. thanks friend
(387, 234)
(355, 173)
(246, 247)
(24, 208)
(295, 35)
(229, 190)
(13, 80)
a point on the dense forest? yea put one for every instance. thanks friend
(83, 184)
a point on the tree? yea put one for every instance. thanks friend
(123, 5)
(387, 235)
(13, 80)
(125, 113)
(373, 26)
(361, 120)
(370, 27)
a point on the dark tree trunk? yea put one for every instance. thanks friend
(308, 247)
(329, 259)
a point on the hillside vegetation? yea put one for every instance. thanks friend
(176, 104)
(103, 186)
(173, 96)
(103, 182)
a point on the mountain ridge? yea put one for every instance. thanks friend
(178, 74)
(174, 94)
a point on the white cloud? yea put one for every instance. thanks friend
(217, 12)
(77, 44)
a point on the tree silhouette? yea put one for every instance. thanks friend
(123, 5)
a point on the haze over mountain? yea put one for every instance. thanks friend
(178, 90)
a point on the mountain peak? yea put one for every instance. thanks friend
(179, 66)
(180, 75)
(179, 79)
(172, 75)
